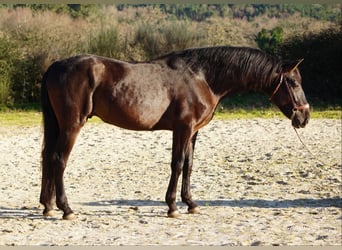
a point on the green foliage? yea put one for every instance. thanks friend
(270, 40)
(105, 42)
(58, 8)
(5, 81)
(8, 53)
(147, 38)
(197, 12)
(84, 10)
(74, 10)
(32, 36)
(318, 11)
(30, 42)
(26, 80)
(156, 40)
(180, 36)
(321, 68)
(200, 12)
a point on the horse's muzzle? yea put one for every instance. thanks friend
(300, 116)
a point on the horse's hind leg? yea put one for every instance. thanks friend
(48, 189)
(48, 184)
(64, 146)
(55, 156)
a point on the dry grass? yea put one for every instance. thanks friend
(43, 37)
(58, 35)
(45, 33)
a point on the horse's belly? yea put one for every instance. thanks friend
(136, 112)
(144, 115)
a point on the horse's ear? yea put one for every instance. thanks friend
(299, 61)
(289, 66)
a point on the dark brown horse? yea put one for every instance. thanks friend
(177, 92)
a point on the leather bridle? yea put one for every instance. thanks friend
(295, 106)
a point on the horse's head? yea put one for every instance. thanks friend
(289, 96)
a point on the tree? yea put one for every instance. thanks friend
(321, 69)
(270, 40)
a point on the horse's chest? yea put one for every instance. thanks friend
(198, 103)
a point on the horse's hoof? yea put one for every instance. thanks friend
(173, 214)
(48, 213)
(70, 216)
(194, 210)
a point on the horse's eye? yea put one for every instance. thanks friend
(293, 83)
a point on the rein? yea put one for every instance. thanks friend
(278, 86)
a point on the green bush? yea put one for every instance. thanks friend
(270, 40)
(179, 36)
(32, 38)
(321, 68)
(8, 53)
(105, 42)
(26, 80)
(31, 42)
(148, 39)
(158, 39)
(5, 82)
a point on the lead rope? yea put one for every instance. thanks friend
(305, 146)
(308, 149)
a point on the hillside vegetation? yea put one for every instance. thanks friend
(33, 36)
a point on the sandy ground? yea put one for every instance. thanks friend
(255, 182)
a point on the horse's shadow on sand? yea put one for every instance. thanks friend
(35, 213)
(243, 203)
(23, 212)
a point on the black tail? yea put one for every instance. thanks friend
(51, 131)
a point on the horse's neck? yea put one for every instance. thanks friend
(238, 82)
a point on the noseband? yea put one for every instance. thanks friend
(295, 106)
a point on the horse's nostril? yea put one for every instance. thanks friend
(306, 121)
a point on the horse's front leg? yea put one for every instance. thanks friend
(180, 147)
(187, 169)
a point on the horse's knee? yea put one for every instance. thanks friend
(177, 167)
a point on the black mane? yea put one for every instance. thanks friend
(249, 66)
